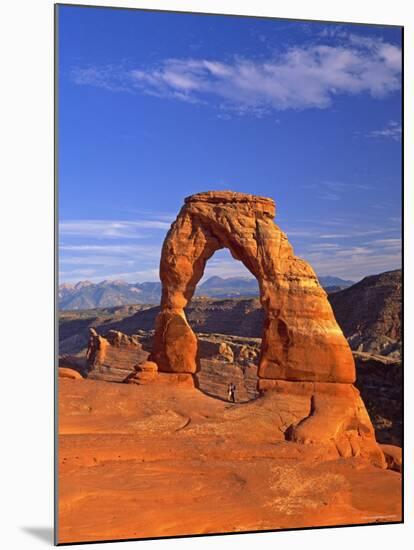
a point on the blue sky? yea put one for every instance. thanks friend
(154, 107)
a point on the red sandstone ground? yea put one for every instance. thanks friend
(159, 460)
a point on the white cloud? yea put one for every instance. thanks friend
(388, 243)
(109, 77)
(391, 131)
(153, 215)
(97, 261)
(353, 233)
(342, 229)
(75, 275)
(139, 276)
(324, 246)
(334, 236)
(334, 190)
(298, 78)
(354, 262)
(119, 250)
(110, 228)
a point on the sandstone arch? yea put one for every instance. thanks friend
(304, 354)
(301, 339)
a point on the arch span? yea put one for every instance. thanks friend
(301, 339)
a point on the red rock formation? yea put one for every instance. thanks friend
(301, 339)
(114, 357)
(65, 372)
(393, 457)
(370, 314)
(145, 372)
(337, 418)
(191, 464)
(302, 342)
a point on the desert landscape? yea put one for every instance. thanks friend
(150, 445)
(230, 274)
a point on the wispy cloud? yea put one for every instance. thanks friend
(97, 261)
(300, 77)
(324, 246)
(391, 131)
(388, 243)
(133, 276)
(354, 262)
(103, 258)
(351, 234)
(109, 77)
(353, 249)
(153, 215)
(334, 236)
(110, 228)
(151, 251)
(334, 190)
(107, 249)
(315, 233)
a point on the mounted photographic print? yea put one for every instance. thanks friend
(229, 285)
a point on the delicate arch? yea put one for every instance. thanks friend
(301, 339)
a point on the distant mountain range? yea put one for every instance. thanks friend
(88, 295)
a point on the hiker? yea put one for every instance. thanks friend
(232, 392)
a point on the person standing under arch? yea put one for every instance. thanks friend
(231, 392)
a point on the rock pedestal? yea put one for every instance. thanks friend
(144, 373)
